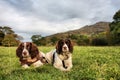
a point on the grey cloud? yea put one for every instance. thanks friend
(22, 5)
(60, 10)
(51, 16)
(116, 4)
(54, 10)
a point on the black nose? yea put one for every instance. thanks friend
(24, 53)
(65, 48)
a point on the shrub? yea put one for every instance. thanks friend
(99, 42)
(9, 40)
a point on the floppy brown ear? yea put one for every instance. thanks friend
(58, 47)
(33, 50)
(70, 45)
(19, 50)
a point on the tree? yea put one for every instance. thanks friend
(9, 40)
(82, 40)
(108, 36)
(54, 40)
(116, 17)
(74, 36)
(42, 41)
(8, 36)
(6, 30)
(36, 38)
(1, 37)
(115, 28)
(99, 42)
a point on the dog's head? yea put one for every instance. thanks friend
(64, 45)
(27, 49)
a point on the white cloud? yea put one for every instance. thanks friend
(53, 16)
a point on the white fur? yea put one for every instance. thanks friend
(25, 50)
(49, 56)
(37, 63)
(65, 46)
(25, 66)
(58, 62)
(42, 54)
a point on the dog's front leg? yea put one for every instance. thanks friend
(25, 66)
(32, 60)
(37, 63)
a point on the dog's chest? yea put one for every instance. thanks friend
(64, 56)
(26, 58)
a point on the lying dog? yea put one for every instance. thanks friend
(29, 54)
(61, 57)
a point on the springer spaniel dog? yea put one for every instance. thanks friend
(29, 54)
(61, 57)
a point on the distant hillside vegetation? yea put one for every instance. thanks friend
(96, 33)
(86, 30)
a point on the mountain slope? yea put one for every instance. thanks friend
(86, 30)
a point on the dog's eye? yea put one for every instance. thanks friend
(22, 46)
(27, 46)
(43, 57)
(62, 42)
(67, 42)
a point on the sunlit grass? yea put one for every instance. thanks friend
(89, 63)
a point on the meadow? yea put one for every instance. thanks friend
(89, 63)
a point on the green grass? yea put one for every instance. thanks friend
(89, 63)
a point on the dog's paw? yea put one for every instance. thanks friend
(37, 64)
(25, 66)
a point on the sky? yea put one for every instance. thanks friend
(47, 17)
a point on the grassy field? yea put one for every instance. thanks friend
(89, 63)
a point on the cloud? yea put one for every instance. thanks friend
(28, 17)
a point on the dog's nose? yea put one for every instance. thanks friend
(24, 53)
(65, 47)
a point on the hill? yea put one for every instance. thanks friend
(90, 29)
(86, 30)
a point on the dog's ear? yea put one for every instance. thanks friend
(33, 50)
(59, 46)
(70, 45)
(19, 50)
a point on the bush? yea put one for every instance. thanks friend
(9, 40)
(54, 40)
(83, 40)
(1, 37)
(99, 42)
